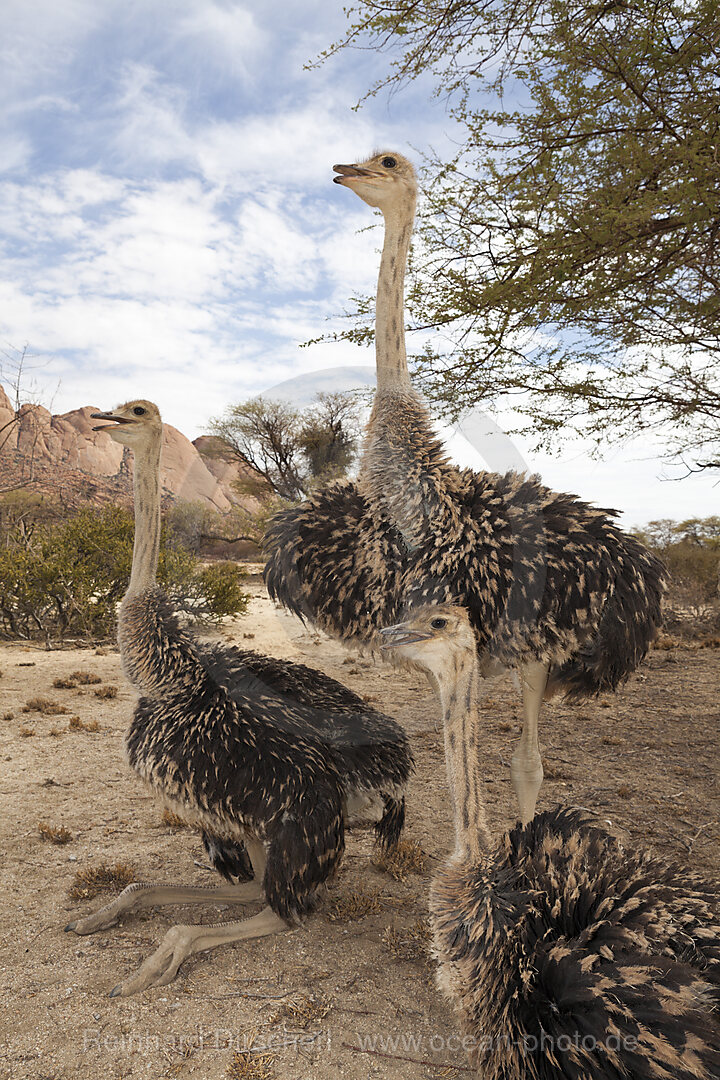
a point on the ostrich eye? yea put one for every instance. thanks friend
(438, 624)
(139, 411)
(389, 162)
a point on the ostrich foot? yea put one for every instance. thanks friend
(182, 941)
(143, 894)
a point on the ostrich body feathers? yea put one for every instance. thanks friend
(246, 745)
(567, 957)
(543, 575)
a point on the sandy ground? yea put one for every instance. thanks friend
(347, 995)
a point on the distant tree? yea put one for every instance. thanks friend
(568, 254)
(288, 449)
(329, 436)
(691, 552)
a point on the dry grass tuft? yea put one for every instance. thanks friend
(407, 857)
(45, 706)
(85, 678)
(251, 1064)
(304, 1010)
(101, 878)
(173, 821)
(106, 692)
(411, 943)
(26, 732)
(64, 684)
(354, 905)
(56, 834)
(101, 651)
(76, 724)
(624, 791)
(554, 771)
(8, 716)
(55, 732)
(665, 643)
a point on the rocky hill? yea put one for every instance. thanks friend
(61, 455)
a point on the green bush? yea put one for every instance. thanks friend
(66, 578)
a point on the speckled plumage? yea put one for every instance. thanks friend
(559, 936)
(565, 956)
(246, 745)
(542, 574)
(545, 576)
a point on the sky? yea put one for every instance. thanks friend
(169, 228)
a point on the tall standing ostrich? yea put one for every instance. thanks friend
(566, 957)
(264, 756)
(553, 587)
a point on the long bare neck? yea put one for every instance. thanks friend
(147, 518)
(458, 695)
(390, 355)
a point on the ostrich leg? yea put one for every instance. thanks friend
(145, 894)
(526, 765)
(183, 941)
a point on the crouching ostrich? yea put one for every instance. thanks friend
(552, 586)
(264, 756)
(565, 956)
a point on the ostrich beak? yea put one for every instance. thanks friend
(108, 416)
(402, 634)
(348, 173)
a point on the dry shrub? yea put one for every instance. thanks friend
(407, 857)
(251, 1064)
(106, 692)
(26, 732)
(56, 834)
(45, 706)
(304, 1010)
(76, 724)
(8, 716)
(104, 877)
(64, 684)
(173, 821)
(354, 905)
(411, 943)
(624, 791)
(85, 678)
(554, 771)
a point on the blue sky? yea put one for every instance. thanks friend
(168, 224)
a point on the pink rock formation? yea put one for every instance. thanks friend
(68, 440)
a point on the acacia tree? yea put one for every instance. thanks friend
(290, 451)
(568, 254)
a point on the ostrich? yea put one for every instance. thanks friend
(553, 587)
(564, 956)
(264, 756)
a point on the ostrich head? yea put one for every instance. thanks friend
(436, 637)
(136, 424)
(383, 180)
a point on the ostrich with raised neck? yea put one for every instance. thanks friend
(553, 587)
(264, 756)
(565, 957)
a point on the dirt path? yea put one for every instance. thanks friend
(348, 982)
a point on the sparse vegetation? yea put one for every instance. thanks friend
(106, 692)
(76, 724)
(304, 1010)
(85, 678)
(56, 834)
(45, 706)
(105, 877)
(173, 821)
(410, 943)
(354, 905)
(407, 857)
(65, 577)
